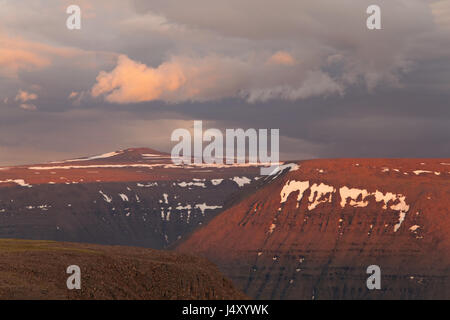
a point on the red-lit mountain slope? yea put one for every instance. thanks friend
(311, 233)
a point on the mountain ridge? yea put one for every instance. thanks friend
(130, 197)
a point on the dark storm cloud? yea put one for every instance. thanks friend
(310, 68)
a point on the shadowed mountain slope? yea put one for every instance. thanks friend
(128, 197)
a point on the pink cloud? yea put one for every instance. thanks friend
(28, 107)
(24, 96)
(132, 81)
(17, 54)
(283, 58)
(212, 78)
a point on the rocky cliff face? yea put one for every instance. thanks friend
(312, 232)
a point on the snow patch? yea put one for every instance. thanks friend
(106, 197)
(417, 172)
(241, 181)
(216, 182)
(272, 227)
(354, 194)
(293, 186)
(191, 184)
(20, 182)
(204, 206)
(319, 194)
(148, 185)
(354, 197)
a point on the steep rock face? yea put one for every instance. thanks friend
(128, 197)
(311, 233)
(37, 270)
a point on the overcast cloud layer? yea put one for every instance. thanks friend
(139, 69)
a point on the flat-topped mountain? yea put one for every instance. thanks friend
(129, 197)
(312, 232)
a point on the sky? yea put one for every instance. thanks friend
(137, 70)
